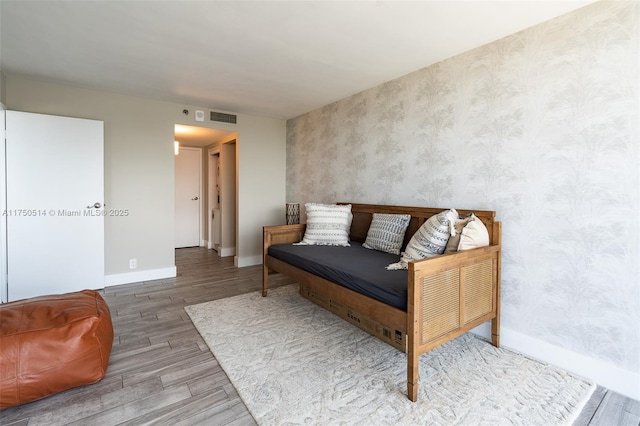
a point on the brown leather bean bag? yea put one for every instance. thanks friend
(52, 343)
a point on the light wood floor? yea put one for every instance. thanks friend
(161, 371)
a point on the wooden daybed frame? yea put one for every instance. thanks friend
(448, 295)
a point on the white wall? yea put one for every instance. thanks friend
(139, 171)
(542, 127)
(261, 170)
(3, 203)
(3, 89)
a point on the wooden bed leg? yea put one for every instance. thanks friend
(265, 280)
(266, 242)
(413, 355)
(413, 359)
(497, 291)
(412, 391)
(412, 377)
(495, 332)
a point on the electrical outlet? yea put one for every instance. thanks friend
(133, 263)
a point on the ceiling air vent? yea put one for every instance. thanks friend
(222, 117)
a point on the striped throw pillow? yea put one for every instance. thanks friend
(327, 225)
(386, 232)
(429, 240)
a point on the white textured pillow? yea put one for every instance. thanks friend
(327, 224)
(429, 240)
(473, 235)
(454, 239)
(386, 232)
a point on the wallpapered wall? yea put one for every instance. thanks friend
(541, 126)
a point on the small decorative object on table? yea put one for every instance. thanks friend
(293, 213)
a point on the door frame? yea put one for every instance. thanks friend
(229, 199)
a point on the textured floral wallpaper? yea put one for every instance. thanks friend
(542, 127)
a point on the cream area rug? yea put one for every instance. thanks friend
(294, 363)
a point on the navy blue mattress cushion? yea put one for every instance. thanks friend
(355, 267)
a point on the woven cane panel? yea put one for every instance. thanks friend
(440, 304)
(478, 290)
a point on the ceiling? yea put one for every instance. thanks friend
(198, 136)
(270, 58)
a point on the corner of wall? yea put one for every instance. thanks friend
(602, 373)
(3, 89)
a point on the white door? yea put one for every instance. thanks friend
(55, 176)
(187, 205)
(3, 208)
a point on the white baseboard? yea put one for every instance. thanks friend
(204, 243)
(248, 261)
(227, 251)
(624, 382)
(138, 276)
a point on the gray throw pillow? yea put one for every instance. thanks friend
(386, 232)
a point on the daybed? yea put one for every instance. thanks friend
(446, 295)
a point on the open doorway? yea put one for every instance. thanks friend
(214, 198)
(217, 192)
